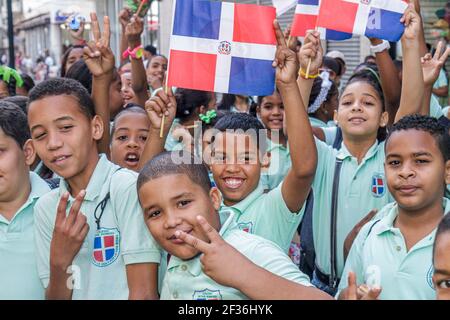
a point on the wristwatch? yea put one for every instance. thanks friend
(385, 45)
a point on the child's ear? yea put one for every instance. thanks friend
(29, 152)
(216, 197)
(258, 110)
(447, 172)
(97, 128)
(384, 119)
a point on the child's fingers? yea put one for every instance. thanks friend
(373, 294)
(91, 50)
(95, 27)
(192, 241)
(80, 222)
(61, 210)
(106, 31)
(155, 107)
(209, 231)
(352, 288)
(281, 41)
(444, 56)
(439, 51)
(83, 232)
(75, 209)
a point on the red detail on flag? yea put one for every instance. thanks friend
(108, 241)
(303, 23)
(98, 255)
(337, 15)
(254, 24)
(192, 70)
(374, 189)
(380, 182)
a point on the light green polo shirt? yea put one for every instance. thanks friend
(19, 278)
(380, 258)
(125, 239)
(173, 144)
(317, 123)
(435, 108)
(356, 198)
(442, 81)
(185, 280)
(280, 163)
(266, 215)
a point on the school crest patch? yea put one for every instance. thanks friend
(207, 294)
(246, 227)
(106, 247)
(378, 186)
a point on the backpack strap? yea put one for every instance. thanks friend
(305, 229)
(337, 144)
(53, 183)
(333, 226)
(102, 204)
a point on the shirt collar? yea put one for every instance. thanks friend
(96, 182)
(245, 203)
(387, 223)
(343, 153)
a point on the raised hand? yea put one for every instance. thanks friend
(412, 22)
(69, 232)
(432, 65)
(134, 30)
(355, 292)
(159, 105)
(311, 50)
(124, 17)
(98, 54)
(220, 261)
(285, 61)
(78, 34)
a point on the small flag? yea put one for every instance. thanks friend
(222, 47)
(372, 18)
(305, 18)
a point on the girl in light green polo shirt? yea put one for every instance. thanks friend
(362, 185)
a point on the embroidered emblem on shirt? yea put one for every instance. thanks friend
(378, 186)
(106, 247)
(207, 294)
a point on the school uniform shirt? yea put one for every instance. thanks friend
(19, 278)
(362, 187)
(173, 144)
(280, 163)
(442, 81)
(435, 108)
(99, 268)
(379, 257)
(265, 215)
(185, 280)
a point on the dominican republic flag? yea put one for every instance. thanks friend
(305, 19)
(372, 18)
(222, 47)
(378, 187)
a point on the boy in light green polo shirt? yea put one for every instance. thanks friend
(237, 152)
(173, 195)
(19, 191)
(395, 253)
(99, 248)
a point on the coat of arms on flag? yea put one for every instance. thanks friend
(378, 186)
(106, 247)
(222, 47)
(305, 18)
(372, 18)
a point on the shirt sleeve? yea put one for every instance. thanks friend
(43, 231)
(435, 108)
(138, 246)
(330, 135)
(277, 222)
(269, 256)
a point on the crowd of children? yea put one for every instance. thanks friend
(115, 186)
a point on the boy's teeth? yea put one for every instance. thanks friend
(233, 182)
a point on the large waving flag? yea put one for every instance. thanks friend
(305, 18)
(222, 47)
(372, 18)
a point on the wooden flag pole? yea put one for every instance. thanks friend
(138, 12)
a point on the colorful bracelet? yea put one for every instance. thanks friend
(302, 74)
(136, 53)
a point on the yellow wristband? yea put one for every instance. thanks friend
(302, 74)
